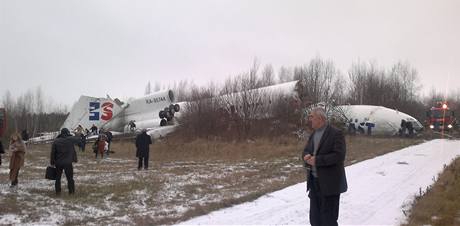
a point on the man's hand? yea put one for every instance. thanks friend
(309, 159)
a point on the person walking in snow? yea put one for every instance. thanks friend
(2, 151)
(109, 141)
(101, 145)
(18, 151)
(63, 155)
(143, 141)
(324, 156)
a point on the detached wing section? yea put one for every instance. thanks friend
(92, 110)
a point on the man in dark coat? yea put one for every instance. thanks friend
(2, 151)
(143, 141)
(63, 154)
(93, 130)
(25, 136)
(324, 156)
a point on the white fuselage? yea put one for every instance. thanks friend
(108, 114)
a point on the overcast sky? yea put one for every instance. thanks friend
(70, 48)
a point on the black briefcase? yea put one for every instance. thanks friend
(50, 173)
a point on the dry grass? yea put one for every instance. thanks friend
(441, 203)
(362, 148)
(184, 179)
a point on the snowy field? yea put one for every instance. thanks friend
(112, 191)
(380, 190)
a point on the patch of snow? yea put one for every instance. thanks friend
(9, 219)
(378, 190)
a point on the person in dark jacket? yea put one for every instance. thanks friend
(402, 131)
(63, 154)
(109, 141)
(83, 140)
(324, 156)
(410, 129)
(132, 126)
(25, 136)
(143, 141)
(93, 130)
(2, 151)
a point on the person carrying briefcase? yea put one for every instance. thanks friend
(50, 173)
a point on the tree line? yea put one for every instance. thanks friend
(238, 109)
(234, 110)
(33, 112)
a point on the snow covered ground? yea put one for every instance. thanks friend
(379, 190)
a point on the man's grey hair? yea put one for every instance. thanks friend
(319, 111)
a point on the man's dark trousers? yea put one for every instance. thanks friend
(146, 162)
(68, 170)
(324, 210)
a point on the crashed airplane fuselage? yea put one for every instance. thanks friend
(155, 110)
(150, 111)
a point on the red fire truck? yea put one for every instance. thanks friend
(2, 121)
(440, 117)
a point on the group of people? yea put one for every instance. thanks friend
(102, 143)
(323, 156)
(407, 129)
(355, 127)
(63, 155)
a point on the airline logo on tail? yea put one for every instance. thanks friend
(96, 112)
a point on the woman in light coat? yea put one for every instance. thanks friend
(18, 151)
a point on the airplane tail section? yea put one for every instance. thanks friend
(92, 110)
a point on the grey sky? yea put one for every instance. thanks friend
(113, 47)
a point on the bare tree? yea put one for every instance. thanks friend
(8, 100)
(368, 84)
(39, 100)
(285, 75)
(253, 78)
(317, 81)
(148, 89)
(201, 116)
(157, 86)
(407, 78)
(268, 77)
(183, 90)
(27, 112)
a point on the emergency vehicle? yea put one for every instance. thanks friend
(440, 117)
